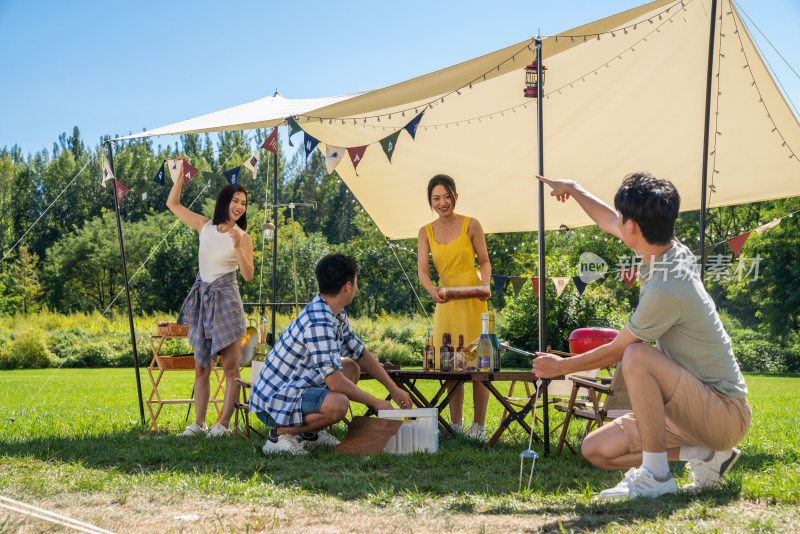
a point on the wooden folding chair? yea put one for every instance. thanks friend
(243, 406)
(607, 399)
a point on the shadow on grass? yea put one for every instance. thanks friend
(461, 470)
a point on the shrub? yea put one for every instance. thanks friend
(27, 351)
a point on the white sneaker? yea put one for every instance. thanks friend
(285, 443)
(322, 439)
(707, 473)
(218, 431)
(475, 433)
(640, 482)
(193, 430)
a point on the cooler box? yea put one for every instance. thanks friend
(420, 430)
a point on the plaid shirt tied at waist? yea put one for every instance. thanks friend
(215, 316)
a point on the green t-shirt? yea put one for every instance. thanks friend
(678, 314)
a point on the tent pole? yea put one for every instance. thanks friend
(127, 286)
(542, 272)
(274, 243)
(704, 181)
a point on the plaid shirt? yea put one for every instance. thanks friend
(310, 349)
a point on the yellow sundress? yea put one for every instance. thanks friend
(455, 263)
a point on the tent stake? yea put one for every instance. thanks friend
(542, 269)
(127, 286)
(705, 138)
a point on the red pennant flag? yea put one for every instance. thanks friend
(736, 243)
(629, 275)
(188, 171)
(356, 154)
(121, 190)
(271, 142)
(535, 282)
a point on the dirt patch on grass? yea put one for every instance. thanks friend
(169, 513)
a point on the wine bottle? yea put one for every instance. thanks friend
(484, 349)
(446, 353)
(459, 362)
(429, 355)
(495, 344)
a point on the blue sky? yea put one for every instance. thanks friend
(119, 67)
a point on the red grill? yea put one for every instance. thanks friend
(585, 339)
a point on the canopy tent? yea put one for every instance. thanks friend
(621, 94)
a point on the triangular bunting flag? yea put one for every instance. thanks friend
(271, 142)
(535, 282)
(159, 177)
(175, 166)
(629, 275)
(580, 285)
(411, 127)
(232, 175)
(121, 191)
(309, 143)
(293, 128)
(188, 171)
(356, 154)
(517, 282)
(764, 227)
(208, 176)
(389, 143)
(500, 282)
(706, 254)
(561, 283)
(333, 155)
(107, 174)
(736, 243)
(142, 191)
(252, 163)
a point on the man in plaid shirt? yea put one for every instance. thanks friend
(310, 374)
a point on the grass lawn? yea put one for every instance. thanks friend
(79, 451)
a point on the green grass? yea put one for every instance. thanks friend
(79, 450)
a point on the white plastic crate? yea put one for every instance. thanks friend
(420, 430)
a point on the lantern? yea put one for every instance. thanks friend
(268, 229)
(531, 90)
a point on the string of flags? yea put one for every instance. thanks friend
(628, 275)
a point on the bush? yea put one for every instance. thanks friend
(27, 351)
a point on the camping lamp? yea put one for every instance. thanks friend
(269, 230)
(531, 90)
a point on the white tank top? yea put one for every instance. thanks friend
(216, 254)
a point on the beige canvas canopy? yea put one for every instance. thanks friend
(621, 94)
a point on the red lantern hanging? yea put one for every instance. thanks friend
(531, 89)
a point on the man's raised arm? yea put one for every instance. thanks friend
(601, 213)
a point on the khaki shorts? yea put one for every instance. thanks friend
(696, 414)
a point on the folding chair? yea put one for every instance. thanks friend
(607, 399)
(243, 407)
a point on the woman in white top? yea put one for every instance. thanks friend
(213, 309)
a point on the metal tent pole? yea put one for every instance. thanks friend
(274, 243)
(704, 180)
(542, 270)
(127, 286)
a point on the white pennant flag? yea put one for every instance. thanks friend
(764, 227)
(107, 174)
(175, 167)
(333, 155)
(561, 283)
(252, 163)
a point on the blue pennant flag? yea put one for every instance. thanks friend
(159, 177)
(309, 143)
(411, 127)
(293, 128)
(580, 285)
(500, 282)
(232, 175)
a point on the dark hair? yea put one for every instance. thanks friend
(445, 181)
(224, 202)
(334, 271)
(653, 203)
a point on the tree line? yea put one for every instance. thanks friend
(70, 260)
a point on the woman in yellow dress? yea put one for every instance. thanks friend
(455, 241)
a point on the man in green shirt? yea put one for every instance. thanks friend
(687, 393)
